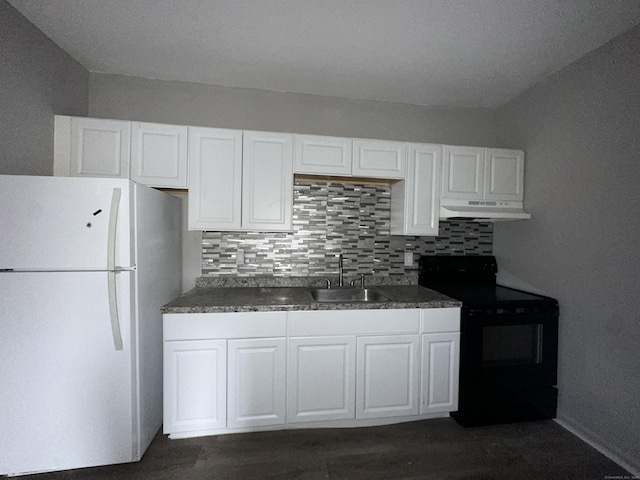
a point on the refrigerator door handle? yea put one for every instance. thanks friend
(111, 267)
(113, 311)
(113, 224)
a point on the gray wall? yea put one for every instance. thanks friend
(130, 98)
(580, 130)
(37, 81)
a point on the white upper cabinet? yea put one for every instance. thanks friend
(91, 147)
(267, 176)
(240, 180)
(215, 179)
(151, 154)
(415, 202)
(379, 158)
(504, 174)
(463, 172)
(474, 173)
(159, 154)
(319, 155)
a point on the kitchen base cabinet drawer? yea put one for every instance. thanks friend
(201, 326)
(354, 322)
(440, 320)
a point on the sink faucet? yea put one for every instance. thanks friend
(340, 271)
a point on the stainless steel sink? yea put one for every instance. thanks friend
(347, 295)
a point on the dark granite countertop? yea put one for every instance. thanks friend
(276, 298)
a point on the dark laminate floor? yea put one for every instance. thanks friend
(432, 449)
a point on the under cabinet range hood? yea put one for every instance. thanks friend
(482, 210)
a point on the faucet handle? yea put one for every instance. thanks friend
(328, 285)
(360, 278)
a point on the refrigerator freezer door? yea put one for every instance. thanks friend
(62, 223)
(66, 394)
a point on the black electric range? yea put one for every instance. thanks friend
(508, 342)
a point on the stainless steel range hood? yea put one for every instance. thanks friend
(482, 210)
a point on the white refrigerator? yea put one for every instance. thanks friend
(85, 265)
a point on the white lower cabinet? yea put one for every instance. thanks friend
(195, 384)
(440, 366)
(387, 376)
(321, 379)
(226, 372)
(256, 382)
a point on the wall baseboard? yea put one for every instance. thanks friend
(593, 439)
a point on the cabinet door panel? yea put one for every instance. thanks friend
(195, 385)
(379, 159)
(415, 203)
(215, 179)
(159, 154)
(99, 148)
(440, 365)
(321, 155)
(256, 382)
(321, 379)
(504, 175)
(267, 190)
(463, 173)
(387, 376)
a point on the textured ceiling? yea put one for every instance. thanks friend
(423, 52)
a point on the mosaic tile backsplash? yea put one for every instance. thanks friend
(334, 218)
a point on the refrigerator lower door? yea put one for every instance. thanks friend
(66, 393)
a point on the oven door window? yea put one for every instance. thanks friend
(506, 345)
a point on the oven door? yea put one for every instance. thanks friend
(509, 348)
